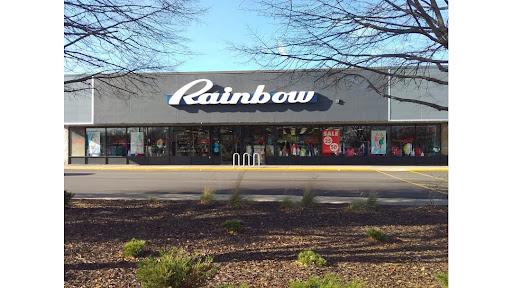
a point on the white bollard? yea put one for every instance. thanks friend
(254, 156)
(236, 156)
(248, 159)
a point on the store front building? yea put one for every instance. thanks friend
(286, 118)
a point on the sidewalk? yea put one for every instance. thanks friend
(278, 198)
(263, 168)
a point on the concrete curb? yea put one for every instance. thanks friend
(278, 198)
(261, 168)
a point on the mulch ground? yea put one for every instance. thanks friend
(263, 254)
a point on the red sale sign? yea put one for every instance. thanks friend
(330, 141)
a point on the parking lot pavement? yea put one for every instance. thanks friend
(435, 182)
(115, 184)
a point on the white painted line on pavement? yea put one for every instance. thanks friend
(407, 181)
(437, 178)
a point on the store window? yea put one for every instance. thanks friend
(356, 141)
(270, 148)
(402, 140)
(309, 141)
(156, 142)
(136, 136)
(192, 142)
(95, 142)
(297, 141)
(216, 141)
(331, 145)
(202, 142)
(77, 139)
(117, 142)
(427, 140)
(255, 140)
(229, 142)
(286, 141)
(379, 136)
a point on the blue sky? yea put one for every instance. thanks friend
(228, 22)
(225, 21)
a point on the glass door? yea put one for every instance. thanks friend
(227, 142)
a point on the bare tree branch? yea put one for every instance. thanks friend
(107, 39)
(406, 37)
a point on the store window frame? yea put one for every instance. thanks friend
(380, 127)
(167, 138)
(193, 133)
(70, 141)
(415, 141)
(138, 129)
(108, 144)
(437, 139)
(341, 129)
(103, 143)
(401, 145)
(276, 141)
(240, 130)
(364, 144)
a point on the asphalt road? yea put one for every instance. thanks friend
(172, 184)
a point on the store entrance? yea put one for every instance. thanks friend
(229, 140)
(227, 148)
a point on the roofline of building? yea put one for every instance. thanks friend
(244, 71)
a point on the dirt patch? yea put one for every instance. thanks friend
(263, 252)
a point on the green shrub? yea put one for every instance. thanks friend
(364, 205)
(371, 201)
(176, 268)
(308, 198)
(357, 205)
(328, 281)
(309, 257)
(442, 279)
(67, 198)
(232, 226)
(236, 200)
(377, 235)
(134, 248)
(243, 285)
(207, 196)
(287, 203)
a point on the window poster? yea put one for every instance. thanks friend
(330, 141)
(137, 143)
(77, 144)
(94, 143)
(378, 142)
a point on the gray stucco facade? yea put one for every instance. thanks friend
(124, 102)
(78, 103)
(145, 103)
(419, 90)
(150, 107)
